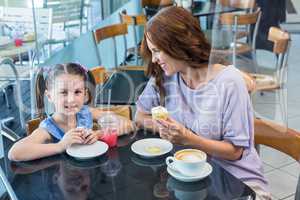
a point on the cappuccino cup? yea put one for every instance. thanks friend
(188, 162)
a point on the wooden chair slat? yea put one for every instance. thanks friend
(278, 137)
(110, 31)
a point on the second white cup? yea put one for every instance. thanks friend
(188, 162)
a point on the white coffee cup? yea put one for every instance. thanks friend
(188, 162)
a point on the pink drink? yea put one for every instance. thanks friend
(18, 42)
(109, 136)
(109, 123)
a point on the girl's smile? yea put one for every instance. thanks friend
(67, 94)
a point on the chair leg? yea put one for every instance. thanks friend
(7, 185)
(7, 132)
(6, 98)
(283, 105)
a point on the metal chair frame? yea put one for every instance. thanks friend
(111, 32)
(133, 21)
(8, 132)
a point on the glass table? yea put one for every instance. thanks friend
(119, 174)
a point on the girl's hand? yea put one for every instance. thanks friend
(73, 136)
(173, 131)
(92, 136)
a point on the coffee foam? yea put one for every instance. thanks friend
(190, 156)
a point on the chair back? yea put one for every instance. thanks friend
(124, 111)
(241, 4)
(111, 31)
(278, 137)
(32, 124)
(280, 38)
(234, 21)
(240, 19)
(21, 19)
(134, 21)
(100, 76)
(281, 44)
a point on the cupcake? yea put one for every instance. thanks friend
(159, 112)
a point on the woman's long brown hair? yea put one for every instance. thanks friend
(177, 33)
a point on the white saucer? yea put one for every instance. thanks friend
(160, 147)
(87, 151)
(207, 169)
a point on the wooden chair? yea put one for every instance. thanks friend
(111, 31)
(275, 79)
(100, 76)
(32, 124)
(241, 4)
(134, 21)
(278, 137)
(237, 47)
(246, 6)
(124, 111)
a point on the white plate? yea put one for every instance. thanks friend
(87, 151)
(207, 169)
(151, 147)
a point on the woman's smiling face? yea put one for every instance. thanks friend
(168, 64)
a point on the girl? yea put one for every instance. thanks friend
(209, 105)
(66, 87)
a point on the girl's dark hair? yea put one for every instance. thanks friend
(177, 33)
(45, 79)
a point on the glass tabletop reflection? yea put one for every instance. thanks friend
(119, 174)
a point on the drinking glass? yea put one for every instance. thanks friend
(108, 123)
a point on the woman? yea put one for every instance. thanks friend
(209, 105)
